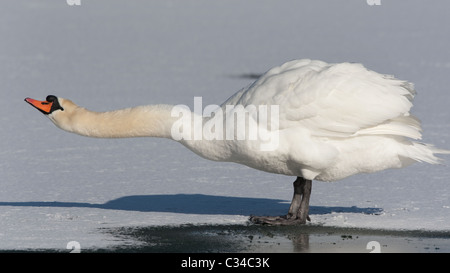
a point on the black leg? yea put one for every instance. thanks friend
(299, 209)
(297, 198)
(303, 211)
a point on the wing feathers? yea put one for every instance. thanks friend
(335, 100)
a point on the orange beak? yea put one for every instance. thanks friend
(43, 106)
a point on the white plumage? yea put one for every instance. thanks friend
(337, 120)
(334, 120)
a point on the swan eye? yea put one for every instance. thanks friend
(55, 103)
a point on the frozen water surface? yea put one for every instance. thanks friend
(58, 187)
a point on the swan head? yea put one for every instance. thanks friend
(58, 110)
(47, 107)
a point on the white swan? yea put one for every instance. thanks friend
(334, 120)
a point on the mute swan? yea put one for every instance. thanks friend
(333, 121)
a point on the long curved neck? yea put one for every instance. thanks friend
(141, 121)
(165, 121)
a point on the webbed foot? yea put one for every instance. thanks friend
(298, 211)
(284, 220)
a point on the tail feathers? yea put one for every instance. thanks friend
(422, 152)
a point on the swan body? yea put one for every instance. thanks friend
(333, 121)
